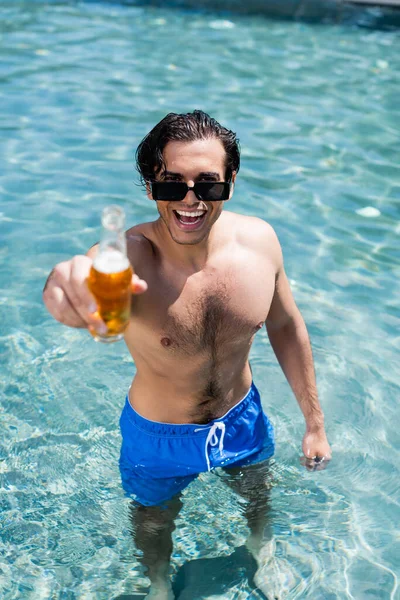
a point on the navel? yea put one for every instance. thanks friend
(165, 341)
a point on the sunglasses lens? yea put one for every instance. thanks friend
(168, 190)
(212, 191)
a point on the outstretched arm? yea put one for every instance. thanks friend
(290, 341)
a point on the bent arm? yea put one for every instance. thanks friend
(289, 339)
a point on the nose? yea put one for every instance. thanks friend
(190, 197)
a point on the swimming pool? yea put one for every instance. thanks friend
(317, 112)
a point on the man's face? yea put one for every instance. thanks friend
(190, 162)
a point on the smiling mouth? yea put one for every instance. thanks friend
(190, 218)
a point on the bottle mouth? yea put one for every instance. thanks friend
(113, 218)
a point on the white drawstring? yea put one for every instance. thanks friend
(212, 439)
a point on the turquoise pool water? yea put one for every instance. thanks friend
(318, 114)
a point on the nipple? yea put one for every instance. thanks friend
(260, 325)
(165, 341)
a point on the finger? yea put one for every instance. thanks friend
(96, 323)
(63, 311)
(321, 466)
(78, 291)
(310, 465)
(91, 320)
(139, 286)
(315, 463)
(62, 298)
(60, 307)
(319, 463)
(322, 452)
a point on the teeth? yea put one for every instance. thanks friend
(196, 213)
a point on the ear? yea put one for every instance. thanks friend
(232, 184)
(148, 191)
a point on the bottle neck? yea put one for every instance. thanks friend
(112, 253)
(113, 241)
(113, 235)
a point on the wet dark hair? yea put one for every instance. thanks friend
(188, 127)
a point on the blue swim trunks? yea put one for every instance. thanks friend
(158, 460)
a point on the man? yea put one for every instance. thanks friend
(209, 280)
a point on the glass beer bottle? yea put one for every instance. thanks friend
(111, 275)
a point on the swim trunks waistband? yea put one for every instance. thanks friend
(188, 429)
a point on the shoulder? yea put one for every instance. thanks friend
(140, 248)
(139, 244)
(257, 236)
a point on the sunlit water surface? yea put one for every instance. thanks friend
(317, 111)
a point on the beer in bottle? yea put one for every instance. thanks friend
(111, 275)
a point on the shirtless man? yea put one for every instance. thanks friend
(207, 280)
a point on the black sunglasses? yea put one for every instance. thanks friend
(177, 190)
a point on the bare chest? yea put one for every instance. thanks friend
(212, 313)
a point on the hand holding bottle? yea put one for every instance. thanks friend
(67, 296)
(69, 300)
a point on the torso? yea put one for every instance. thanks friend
(190, 335)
